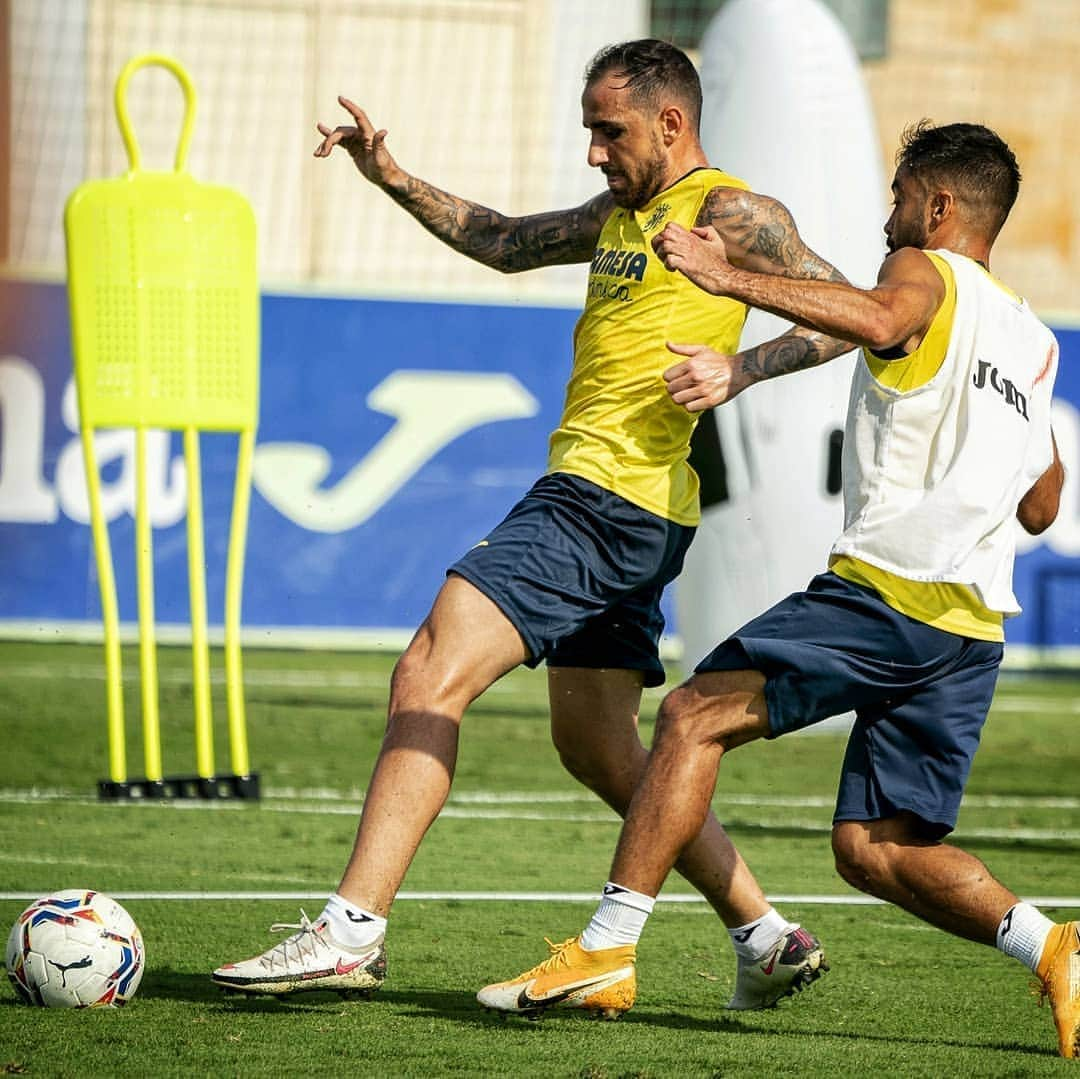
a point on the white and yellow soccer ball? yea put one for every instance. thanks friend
(75, 949)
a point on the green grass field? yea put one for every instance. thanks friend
(901, 999)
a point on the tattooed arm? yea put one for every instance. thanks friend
(706, 378)
(747, 247)
(507, 244)
(758, 234)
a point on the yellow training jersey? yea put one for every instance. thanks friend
(619, 428)
(955, 608)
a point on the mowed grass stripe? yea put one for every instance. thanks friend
(457, 812)
(317, 796)
(331, 677)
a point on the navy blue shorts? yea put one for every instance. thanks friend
(579, 572)
(920, 695)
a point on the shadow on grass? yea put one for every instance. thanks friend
(352, 700)
(723, 1025)
(330, 701)
(199, 989)
(456, 1006)
(179, 985)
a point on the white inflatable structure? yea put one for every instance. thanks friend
(786, 110)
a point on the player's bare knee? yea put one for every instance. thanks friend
(580, 764)
(607, 784)
(858, 860)
(675, 717)
(722, 709)
(610, 775)
(687, 717)
(850, 854)
(418, 684)
(406, 680)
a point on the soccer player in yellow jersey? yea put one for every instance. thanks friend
(575, 572)
(948, 444)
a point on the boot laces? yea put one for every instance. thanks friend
(558, 957)
(302, 943)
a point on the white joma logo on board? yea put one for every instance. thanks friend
(430, 409)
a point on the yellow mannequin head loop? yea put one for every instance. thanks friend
(132, 147)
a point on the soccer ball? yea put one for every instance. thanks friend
(75, 949)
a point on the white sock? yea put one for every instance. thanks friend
(756, 938)
(351, 926)
(1022, 934)
(619, 919)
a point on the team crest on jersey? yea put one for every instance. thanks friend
(656, 217)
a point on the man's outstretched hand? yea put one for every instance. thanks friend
(365, 145)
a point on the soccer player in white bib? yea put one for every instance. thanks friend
(948, 442)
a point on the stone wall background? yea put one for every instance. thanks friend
(1013, 65)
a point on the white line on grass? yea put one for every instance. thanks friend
(17, 858)
(452, 812)
(34, 860)
(255, 677)
(317, 795)
(518, 897)
(306, 678)
(1036, 704)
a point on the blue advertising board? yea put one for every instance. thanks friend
(392, 436)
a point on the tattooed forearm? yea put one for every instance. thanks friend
(796, 350)
(557, 238)
(507, 244)
(813, 266)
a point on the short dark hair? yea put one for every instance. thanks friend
(651, 67)
(971, 160)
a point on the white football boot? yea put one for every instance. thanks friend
(793, 962)
(308, 960)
